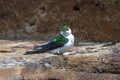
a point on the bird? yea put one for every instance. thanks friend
(60, 44)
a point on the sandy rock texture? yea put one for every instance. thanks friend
(90, 20)
(86, 61)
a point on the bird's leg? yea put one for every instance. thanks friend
(59, 53)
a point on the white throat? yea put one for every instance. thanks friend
(66, 33)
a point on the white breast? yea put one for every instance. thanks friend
(71, 40)
(67, 46)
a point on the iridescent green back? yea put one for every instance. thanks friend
(60, 40)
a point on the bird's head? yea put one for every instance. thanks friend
(65, 31)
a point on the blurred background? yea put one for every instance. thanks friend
(90, 20)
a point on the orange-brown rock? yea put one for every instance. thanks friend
(10, 73)
(89, 62)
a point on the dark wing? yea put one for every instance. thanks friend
(56, 43)
(38, 49)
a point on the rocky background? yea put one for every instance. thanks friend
(95, 24)
(87, 61)
(90, 20)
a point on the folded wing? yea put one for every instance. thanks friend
(59, 41)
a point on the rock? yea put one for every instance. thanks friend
(64, 74)
(5, 49)
(94, 50)
(55, 61)
(35, 71)
(17, 77)
(10, 73)
(13, 62)
(89, 62)
(40, 19)
(112, 64)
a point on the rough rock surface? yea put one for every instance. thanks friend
(87, 61)
(90, 20)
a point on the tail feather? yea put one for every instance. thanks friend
(43, 48)
(37, 49)
(33, 52)
(29, 52)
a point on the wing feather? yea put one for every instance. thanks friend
(59, 41)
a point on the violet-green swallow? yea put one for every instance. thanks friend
(58, 45)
